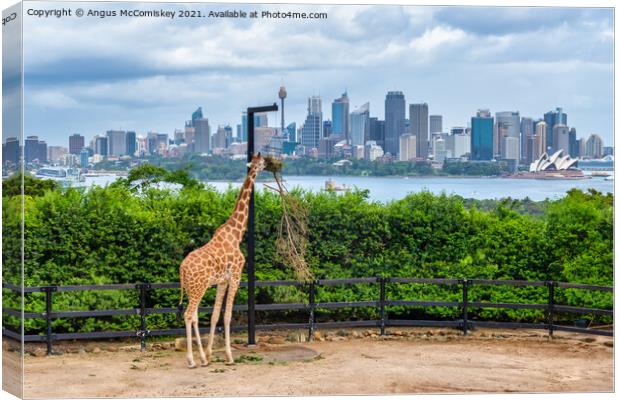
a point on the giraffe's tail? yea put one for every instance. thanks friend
(180, 306)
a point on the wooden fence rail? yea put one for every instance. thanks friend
(464, 323)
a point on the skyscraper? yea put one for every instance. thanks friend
(395, 109)
(76, 143)
(527, 129)
(31, 148)
(130, 146)
(418, 120)
(572, 143)
(312, 130)
(360, 125)
(541, 130)
(377, 131)
(117, 143)
(435, 123)
(560, 138)
(10, 151)
(553, 118)
(340, 117)
(508, 125)
(292, 131)
(407, 147)
(482, 136)
(42, 150)
(101, 146)
(202, 135)
(594, 146)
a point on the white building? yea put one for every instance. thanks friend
(510, 148)
(372, 151)
(407, 148)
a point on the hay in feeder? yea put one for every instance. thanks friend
(292, 240)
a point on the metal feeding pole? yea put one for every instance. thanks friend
(250, 237)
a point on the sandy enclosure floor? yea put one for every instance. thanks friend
(415, 361)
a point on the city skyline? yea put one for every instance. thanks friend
(453, 58)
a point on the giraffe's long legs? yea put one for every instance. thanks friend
(230, 299)
(219, 298)
(203, 358)
(189, 315)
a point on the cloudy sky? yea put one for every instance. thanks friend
(88, 75)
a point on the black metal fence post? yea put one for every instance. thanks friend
(142, 287)
(48, 316)
(312, 301)
(550, 306)
(465, 305)
(382, 281)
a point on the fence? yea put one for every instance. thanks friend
(464, 323)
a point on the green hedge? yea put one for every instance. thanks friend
(122, 235)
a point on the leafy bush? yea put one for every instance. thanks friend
(119, 235)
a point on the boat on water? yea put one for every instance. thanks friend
(66, 176)
(331, 186)
(609, 178)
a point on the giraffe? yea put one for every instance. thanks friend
(220, 263)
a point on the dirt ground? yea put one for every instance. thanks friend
(405, 362)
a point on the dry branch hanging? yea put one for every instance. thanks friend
(292, 240)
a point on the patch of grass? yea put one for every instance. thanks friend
(218, 370)
(238, 341)
(277, 362)
(248, 359)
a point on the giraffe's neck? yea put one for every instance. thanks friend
(239, 216)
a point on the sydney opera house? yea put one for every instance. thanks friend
(558, 165)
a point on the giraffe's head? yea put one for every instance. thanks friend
(257, 163)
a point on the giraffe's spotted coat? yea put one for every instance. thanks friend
(219, 262)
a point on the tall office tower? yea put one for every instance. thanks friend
(282, 96)
(42, 149)
(553, 118)
(607, 151)
(560, 138)
(101, 145)
(292, 132)
(229, 135)
(219, 138)
(395, 109)
(377, 131)
(407, 148)
(312, 130)
(458, 143)
(360, 125)
(572, 143)
(439, 150)
(10, 151)
(76, 143)
(594, 146)
(31, 148)
(261, 120)
(541, 130)
(418, 120)
(202, 135)
(189, 135)
(56, 153)
(84, 154)
(510, 148)
(340, 117)
(196, 115)
(130, 146)
(527, 129)
(435, 123)
(508, 125)
(327, 128)
(482, 136)
(178, 136)
(117, 143)
(533, 148)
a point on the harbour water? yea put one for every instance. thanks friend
(392, 188)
